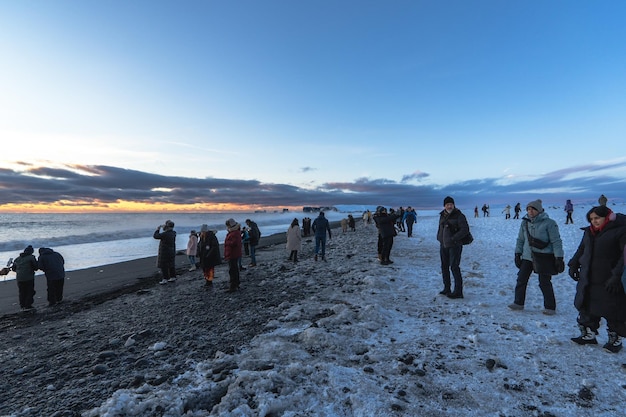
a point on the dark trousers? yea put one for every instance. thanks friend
(233, 273)
(253, 254)
(27, 293)
(320, 243)
(293, 256)
(451, 261)
(593, 322)
(386, 248)
(409, 229)
(545, 284)
(569, 219)
(168, 272)
(55, 290)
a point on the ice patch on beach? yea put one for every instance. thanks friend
(382, 342)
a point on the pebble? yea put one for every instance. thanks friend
(79, 346)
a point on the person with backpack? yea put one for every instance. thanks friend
(453, 230)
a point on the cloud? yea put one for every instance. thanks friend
(417, 175)
(103, 185)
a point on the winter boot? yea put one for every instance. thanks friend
(614, 344)
(587, 336)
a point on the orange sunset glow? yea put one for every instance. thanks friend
(131, 207)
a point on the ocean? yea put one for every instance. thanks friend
(93, 239)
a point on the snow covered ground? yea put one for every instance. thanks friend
(382, 342)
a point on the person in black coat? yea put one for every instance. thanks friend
(255, 235)
(208, 253)
(597, 267)
(166, 260)
(53, 266)
(386, 231)
(453, 228)
(351, 223)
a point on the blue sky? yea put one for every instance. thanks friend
(312, 102)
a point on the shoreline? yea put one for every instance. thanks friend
(111, 280)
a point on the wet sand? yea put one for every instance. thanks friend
(107, 281)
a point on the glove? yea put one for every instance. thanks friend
(574, 273)
(614, 285)
(560, 265)
(518, 260)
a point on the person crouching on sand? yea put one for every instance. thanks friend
(53, 266)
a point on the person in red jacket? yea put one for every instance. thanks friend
(232, 253)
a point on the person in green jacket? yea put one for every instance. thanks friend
(25, 266)
(538, 235)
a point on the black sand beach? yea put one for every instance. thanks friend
(106, 281)
(67, 359)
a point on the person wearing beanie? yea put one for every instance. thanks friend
(232, 253)
(453, 228)
(166, 259)
(538, 238)
(25, 266)
(597, 267)
(536, 204)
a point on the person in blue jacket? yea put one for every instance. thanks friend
(410, 217)
(320, 227)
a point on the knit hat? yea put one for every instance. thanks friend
(447, 200)
(204, 228)
(536, 205)
(231, 225)
(29, 250)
